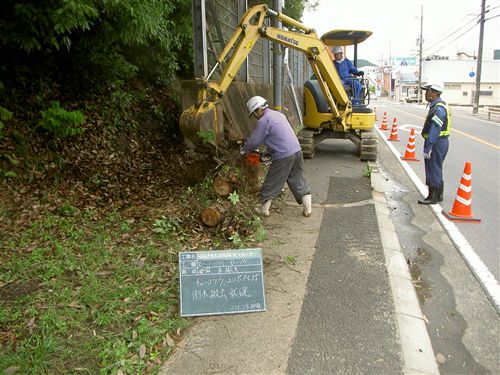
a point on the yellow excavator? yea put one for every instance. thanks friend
(329, 112)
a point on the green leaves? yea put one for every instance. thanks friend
(5, 115)
(92, 43)
(32, 26)
(60, 122)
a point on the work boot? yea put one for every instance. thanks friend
(440, 192)
(307, 203)
(432, 198)
(264, 208)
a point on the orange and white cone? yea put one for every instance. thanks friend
(410, 148)
(383, 126)
(462, 208)
(394, 131)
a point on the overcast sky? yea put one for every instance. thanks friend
(396, 26)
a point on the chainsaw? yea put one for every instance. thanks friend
(256, 157)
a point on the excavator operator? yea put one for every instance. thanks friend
(275, 132)
(346, 68)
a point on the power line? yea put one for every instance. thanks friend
(443, 37)
(495, 16)
(439, 49)
(459, 29)
(450, 32)
(440, 38)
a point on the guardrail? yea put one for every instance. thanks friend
(493, 111)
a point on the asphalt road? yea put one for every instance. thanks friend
(473, 139)
(461, 321)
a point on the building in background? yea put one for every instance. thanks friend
(457, 73)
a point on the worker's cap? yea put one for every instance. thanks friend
(254, 103)
(337, 49)
(434, 86)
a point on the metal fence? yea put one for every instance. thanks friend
(214, 21)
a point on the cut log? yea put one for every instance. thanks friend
(222, 187)
(214, 214)
(233, 178)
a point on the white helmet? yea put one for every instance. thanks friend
(434, 86)
(337, 49)
(256, 102)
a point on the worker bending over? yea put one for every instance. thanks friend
(287, 165)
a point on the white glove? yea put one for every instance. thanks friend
(427, 156)
(241, 151)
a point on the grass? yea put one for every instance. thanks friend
(366, 171)
(85, 293)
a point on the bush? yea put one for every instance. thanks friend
(60, 122)
(5, 115)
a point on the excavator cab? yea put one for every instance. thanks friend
(314, 99)
(317, 115)
(343, 38)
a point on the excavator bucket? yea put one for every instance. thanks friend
(203, 126)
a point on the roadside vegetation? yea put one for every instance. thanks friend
(97, 193)
(89, 290)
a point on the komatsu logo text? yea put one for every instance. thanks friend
(288, 40)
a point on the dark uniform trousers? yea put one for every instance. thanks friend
(434, 165)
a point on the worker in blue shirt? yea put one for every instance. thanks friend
(287, 166)
(346, 70)
(435, 132)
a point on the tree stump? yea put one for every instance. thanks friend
(222, 187)
(214, 214)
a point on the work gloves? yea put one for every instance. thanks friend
(427, 155)
(242, 152)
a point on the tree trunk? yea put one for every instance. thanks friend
(214, 214)
(222, 187)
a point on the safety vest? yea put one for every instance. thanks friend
(446, 132)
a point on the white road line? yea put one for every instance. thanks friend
(496, 147)
(480, 271)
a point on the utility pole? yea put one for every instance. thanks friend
(277, 63)
(475, 106)
(419, 92)
(391, 88)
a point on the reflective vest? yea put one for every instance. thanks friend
(447, 125)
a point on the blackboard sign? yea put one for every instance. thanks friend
(221, 282)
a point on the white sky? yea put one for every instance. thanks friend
(396, 26)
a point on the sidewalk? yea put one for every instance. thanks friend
(347, 305)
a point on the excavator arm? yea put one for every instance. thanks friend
(206, 115)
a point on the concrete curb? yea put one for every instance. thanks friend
(483, 275)
(416, 345)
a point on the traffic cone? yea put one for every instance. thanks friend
(410, 148)
(394, 131)
(462, 208)
(383, 126)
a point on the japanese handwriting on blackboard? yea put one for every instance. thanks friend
(219, 293)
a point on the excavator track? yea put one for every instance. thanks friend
(368, 146)
(307, 142)
(366, 142)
